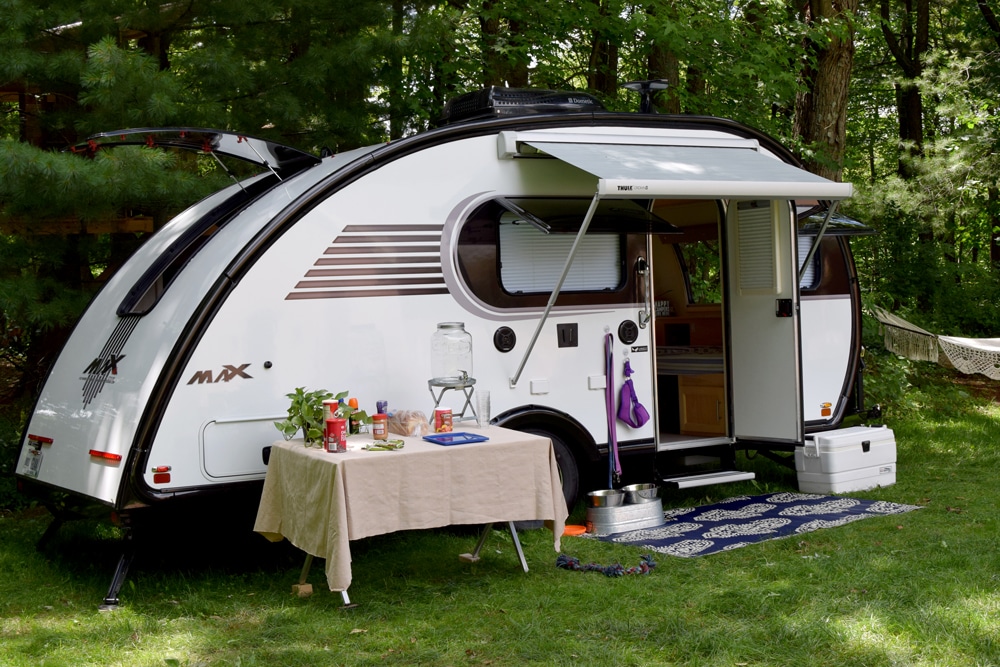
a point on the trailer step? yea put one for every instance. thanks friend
(706, 479)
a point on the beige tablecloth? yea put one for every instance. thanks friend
(320, 501)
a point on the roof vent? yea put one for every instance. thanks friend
(498, 102)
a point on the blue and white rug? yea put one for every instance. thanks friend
(737, 522)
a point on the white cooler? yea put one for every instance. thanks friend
(847, 459)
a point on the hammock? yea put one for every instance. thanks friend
(968, 355)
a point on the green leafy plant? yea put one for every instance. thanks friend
(305, 413)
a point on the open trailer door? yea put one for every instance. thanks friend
(763, 292)
(764, 332)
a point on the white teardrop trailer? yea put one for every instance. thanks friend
(541, 221)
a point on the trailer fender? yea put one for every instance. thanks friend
(576, 452)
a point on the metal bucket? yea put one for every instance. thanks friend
(609, 520)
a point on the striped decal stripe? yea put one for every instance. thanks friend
(410, 270)
(358, 294)
(375, 282)
(378, 250)
(93, 383)
(376, 260)
(347, 261)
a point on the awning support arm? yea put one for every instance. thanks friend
(555, 291)
(819, 237)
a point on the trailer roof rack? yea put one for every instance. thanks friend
(497, 102)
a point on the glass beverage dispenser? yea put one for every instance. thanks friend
(451, 354)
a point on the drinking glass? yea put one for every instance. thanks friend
(482, 408)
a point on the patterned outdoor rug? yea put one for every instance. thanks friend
(737, 522)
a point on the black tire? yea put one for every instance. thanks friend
(569, 471)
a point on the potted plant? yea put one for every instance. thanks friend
(305, 413)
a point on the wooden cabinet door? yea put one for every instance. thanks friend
(702, 404)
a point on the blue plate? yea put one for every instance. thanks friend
(455, 438)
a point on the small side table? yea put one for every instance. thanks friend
(438, 387)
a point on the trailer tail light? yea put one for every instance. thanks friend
(161, 474)
(40, 439)
(107, 456)
(824, 409)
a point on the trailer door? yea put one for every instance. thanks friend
(762, 295)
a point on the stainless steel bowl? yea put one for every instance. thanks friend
(640, 493)
(606, 498)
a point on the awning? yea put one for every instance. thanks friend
(735, 171)
(643, 167)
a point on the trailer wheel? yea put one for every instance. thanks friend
(569, 472)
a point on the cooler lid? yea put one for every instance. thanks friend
(851, 437)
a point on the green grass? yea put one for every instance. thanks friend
(920, 588)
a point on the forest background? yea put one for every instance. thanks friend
(899, 97)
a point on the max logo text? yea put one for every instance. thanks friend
(102, 366)
(227, 373)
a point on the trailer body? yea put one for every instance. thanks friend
(333, 273)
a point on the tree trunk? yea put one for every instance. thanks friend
(910, 107)
(397, 112)
(696, 85)
(662, 63)
(991, 20)
(503, 62)
(489, 35)
(821, 111)
(517, 62)
(994, 211)
(602, 72)
(908, 48)
(603, 75)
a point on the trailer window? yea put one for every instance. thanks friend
(810, 279)
(702, 269)
(507, 260)
(531, 261)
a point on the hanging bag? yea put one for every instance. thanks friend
(630, 410)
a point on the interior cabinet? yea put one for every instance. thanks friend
(702, 401)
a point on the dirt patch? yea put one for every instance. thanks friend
(978, 385)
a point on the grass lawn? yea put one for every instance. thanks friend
(914, 589)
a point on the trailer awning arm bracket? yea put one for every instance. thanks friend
(558, 287)
(819, 237)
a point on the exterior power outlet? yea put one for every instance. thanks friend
(567, 335)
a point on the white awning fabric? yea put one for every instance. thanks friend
(629, 171)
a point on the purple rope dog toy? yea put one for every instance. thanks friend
(646, 563)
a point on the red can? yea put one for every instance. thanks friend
(442, 420)
(335, 435)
